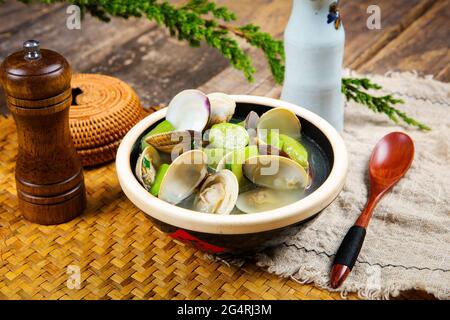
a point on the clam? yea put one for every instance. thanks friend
(162, 127)
(189, 110)
(218, 193)
(279, 120)
(265, 199)
(275, 172)
(166, 142)
(272, 125)
(251, 121)
(222, 108)
(183, 176)
(280, 181)
(146, 167)
(187, 116)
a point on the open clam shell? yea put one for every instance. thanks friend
(222, 108)
(168, 141)
(251, 121)
(188, 114)
(184, 175)
(271, 125)
(189, 110)
(146, 166)
(218, 193)
(275, 172)
(265, 199)
(280, 119)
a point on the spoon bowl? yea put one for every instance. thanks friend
(391, 158)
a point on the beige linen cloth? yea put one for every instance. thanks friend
(408, 241)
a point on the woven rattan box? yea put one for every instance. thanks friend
(103, 110)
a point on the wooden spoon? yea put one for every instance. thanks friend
(389, 162)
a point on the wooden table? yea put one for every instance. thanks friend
(415, 35)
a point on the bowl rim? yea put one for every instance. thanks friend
(235, 224)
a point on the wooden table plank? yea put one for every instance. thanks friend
(424, 46)
(155, 76)
(15, 15)
(10, 7)
(362, 43)
(81, 47)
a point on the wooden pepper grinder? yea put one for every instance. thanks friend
(49, 177)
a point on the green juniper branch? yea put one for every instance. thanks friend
(352, 89)
(203, 20)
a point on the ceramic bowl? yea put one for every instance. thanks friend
(237, 233)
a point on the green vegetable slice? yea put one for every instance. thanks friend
(237, 159)
(295, 150)
(228, 136)
(273, 139)
(160, 174)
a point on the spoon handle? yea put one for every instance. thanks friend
(353, 241)
(347, 254)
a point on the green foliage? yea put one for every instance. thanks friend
(355, 89)
(274, 50)
(203, 20)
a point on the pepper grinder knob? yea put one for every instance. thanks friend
(32, 50)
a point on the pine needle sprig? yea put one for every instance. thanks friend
(203, 7)
(273, 49)
(352, 89)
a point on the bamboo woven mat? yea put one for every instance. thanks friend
(119, 253)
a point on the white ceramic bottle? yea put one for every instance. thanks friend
(314, 43)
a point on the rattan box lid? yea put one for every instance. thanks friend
(103, 110)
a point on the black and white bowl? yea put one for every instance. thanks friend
(237, 233)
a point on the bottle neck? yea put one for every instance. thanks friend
(309, 8)
(311, 17)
